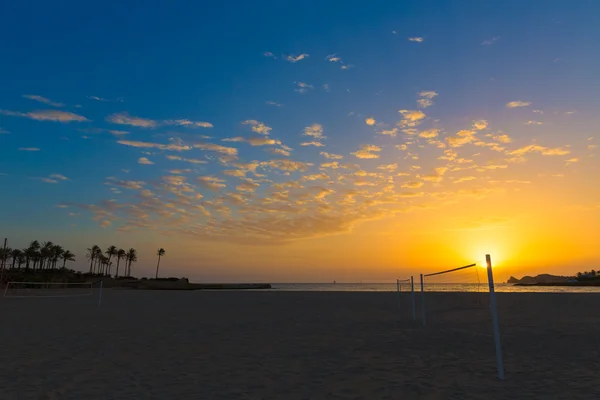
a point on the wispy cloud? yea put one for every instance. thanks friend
(124, 118)
(47, 115)
(389, 132)
(272, 103)
(255, 141)
(333, 58)
(302, 87)
(313, 143)
(533, 123)
(44, 100)
(416, 39)
(315, 131)
(269, 54)
(535, 148)
(189, 160)
(28, 149)
(480, 124)
(188, 123)
(172, 146)
(411, 118)
(118, 100)
(4, 132)
(490, 41)
(229, 151)
(331, 156)
(426, 98)
(517, 103)
(294, 59)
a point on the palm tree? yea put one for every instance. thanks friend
(111, 251)
(161, 252)
(131, 257)
(15, 254)
(5, 254)
(45, 253)
(67, 256)
(31, 253)
(91, 255)
(57, 252)
(99, 257)
(121, 254)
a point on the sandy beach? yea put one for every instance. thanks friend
(297, 345)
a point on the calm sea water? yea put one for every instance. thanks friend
(432, 287)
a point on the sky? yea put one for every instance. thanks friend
(304, 141)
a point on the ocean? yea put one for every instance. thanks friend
(429, 287)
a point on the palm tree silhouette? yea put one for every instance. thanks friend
(120, 256)
(91, 255)
(161, 252)
(67, 256)
(31, 253)
(131, 257)
(111, 251)
(15, 254)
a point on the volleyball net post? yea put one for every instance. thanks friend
(399, 289)
(495, 323)
(412, 298)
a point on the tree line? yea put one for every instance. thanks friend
(45, 256)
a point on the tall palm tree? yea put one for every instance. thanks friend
(160, 252)
(45, 253)
(57, 252)
(99, 257)
(31, 253)
(131, 257)
(91, 255)
(5, 255)
(121, 254)
(67, 256)
(15, 254)
(111, 251)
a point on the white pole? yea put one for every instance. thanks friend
(100, 297)
(423, 301)
(412, 297)
(6, 288)
(398, 291)
(499, 361)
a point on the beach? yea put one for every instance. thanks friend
(297, 345)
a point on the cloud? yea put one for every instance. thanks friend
(388, 167)
(172, 146)
(464, 179)
(287, 165)
(105, 100)
(47, 115)
(390, 132)
(429, 134)
(333, 58)
(313, 143)
(187, 123)
(416, 39)
(411, 118)
(518, 103)
(229, 151)
(190, 160)
(272, 103)
(247, 186)
(4, 132)
(59, 177)
(258, 126)
(462, 137)
(534, 148)
(490, 41)
(412, 185)
(331, 156)
(43, 100)
(105, 224)
(304, 87)
(426, 99)
(269, 54)
(145, 161)
(315, 131)
(28, 149)
(211, 182)
(370, 121)
(366, 151)
(281, 152)
(124, 118)
(254, 141)
(533, 123)
(480, 124)
(294, 59)
(502, 138)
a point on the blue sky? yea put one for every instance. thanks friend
(125, 78)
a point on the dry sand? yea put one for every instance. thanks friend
(296, 345)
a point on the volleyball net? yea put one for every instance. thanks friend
(451, 312)
(406, 286)
(52, 289)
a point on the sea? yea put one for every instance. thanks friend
(432, 287)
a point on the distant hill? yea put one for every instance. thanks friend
(542, 278)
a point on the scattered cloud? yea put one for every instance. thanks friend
(4, 132)
(124, 118)
(429, 134)
(269, 54)
(480, 124)
(333, 58)
(258, 126)
(490, 41)
(412, 185)
(502, 138)
(149, 145)
(47, 115)
(416, 39)
(188, 123)
(535, 148)
(331, 156)
(426, 98)
(518, 103)
(370, 121)
(533, 123)
(367, 151)
(313, 143)
(229, 151)
(294, 59)
(411, 118)
(302, 87)
(390, 132)
(272, 103)
(43, 100)
(29, 149)
(119, 100)
(315, 131)
(145, 161)
(464, 179)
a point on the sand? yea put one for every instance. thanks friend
(296, 345)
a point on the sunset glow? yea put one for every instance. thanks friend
(359, 147)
